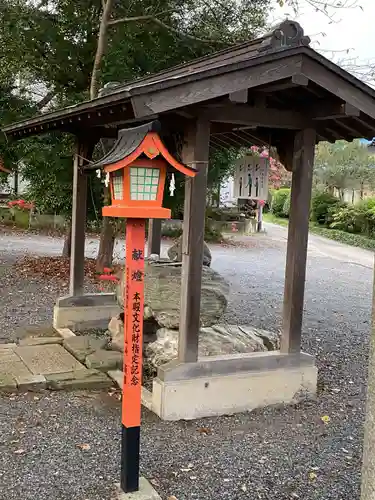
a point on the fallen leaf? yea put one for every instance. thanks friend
(84, 446)
(19, 452)
(312, 476)
(243, 487)
(326, 419)
(172, 498)
(205, 430)
(193, 477)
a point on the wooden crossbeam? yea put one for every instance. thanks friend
(254, 116)
(296, 80)
(331, 110)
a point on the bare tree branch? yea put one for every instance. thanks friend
(46, 100)
(327, 8)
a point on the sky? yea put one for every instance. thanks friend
(352, 31)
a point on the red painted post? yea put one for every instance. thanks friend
(136, 179)
(133, 331)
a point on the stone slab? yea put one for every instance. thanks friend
(117, 376)
(78, 380)
(104, 360)
(40, 341)
(146, 492)
(36, 331)
(65, 333)
(12, 365)
(48, 359)
(7, 346)
(31, 383)
(7, 383)
(82, 346)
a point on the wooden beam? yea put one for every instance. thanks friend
(254, 116)
(297, 80)
(203, 89)
(154, 237)
(79, 208)
(239, 97)
(295, 271)
(340, 87)
(330, 110)
(195, 153)
(344, 126)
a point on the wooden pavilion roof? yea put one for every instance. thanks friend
(253, 93)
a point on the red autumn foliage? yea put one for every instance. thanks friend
(21, 204)
(277, 172)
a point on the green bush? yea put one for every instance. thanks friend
(278, 200)
(323, 207)
(357, 219)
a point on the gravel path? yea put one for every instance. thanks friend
(276, 453)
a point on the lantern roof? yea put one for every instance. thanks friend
(135, 142)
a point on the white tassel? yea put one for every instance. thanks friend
(106, 180)
(98, 173)
(172, 185)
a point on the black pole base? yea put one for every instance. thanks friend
(130, 459)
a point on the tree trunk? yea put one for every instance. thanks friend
(101, 48)
(106, 246)
(67, 249)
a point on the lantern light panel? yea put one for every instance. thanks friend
(118, 185)
(251, 178)
(144, 183)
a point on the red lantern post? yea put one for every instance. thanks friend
(136, 178)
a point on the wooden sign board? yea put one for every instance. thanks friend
(251, 178)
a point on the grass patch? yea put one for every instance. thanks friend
(269, 217)
(354, 240)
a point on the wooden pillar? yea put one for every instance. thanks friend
(368, 467)
(195, 153)
(295, 272)
(79, 208)
(154, 237)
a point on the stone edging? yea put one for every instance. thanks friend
(116, 375)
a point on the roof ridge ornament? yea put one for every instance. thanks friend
(286, 34)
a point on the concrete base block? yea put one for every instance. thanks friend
(146, 492)
(222, 385)
(86, 311)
